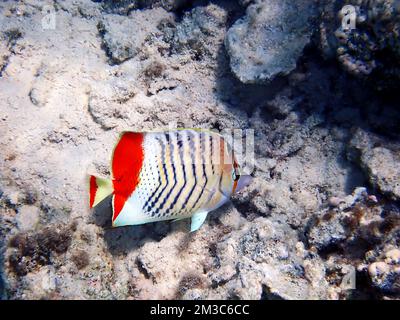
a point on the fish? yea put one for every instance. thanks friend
(168, 175)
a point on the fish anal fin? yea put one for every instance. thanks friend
(118, 203)
(179, 219)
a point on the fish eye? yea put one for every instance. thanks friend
(235, 175)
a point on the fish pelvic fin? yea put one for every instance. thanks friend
(99, 189)
(197, 220)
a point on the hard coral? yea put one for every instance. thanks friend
(364, 35)
(32, 250)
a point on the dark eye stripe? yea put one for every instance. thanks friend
(235, 175)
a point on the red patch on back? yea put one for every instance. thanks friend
(126, 165)
(93, 190)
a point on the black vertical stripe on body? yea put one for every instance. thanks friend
(193, 158)
(211, 154)
(164, 168)
(221, 164)
(147, 205)
(164, 200)
(181, 149)
(202, 150)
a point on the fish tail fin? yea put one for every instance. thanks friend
(99, 189)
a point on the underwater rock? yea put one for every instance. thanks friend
(269, 39)
(245, 3)
(384, 170)
(333, 226)
(31, 250)
(364, 36)
(85, 9)
(27, 217)
(3, 55)
(42, 283)
(259, 260)
(385, 271)
(126, 6)
(173, 71)
(360, 232)
(8, 39)
(380, 163)
(264, 260)
(198, 29)
(104, 103)
(168, 274)
(328, 232)
(117, 32)
(289, 149)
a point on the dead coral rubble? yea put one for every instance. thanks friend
(270, 38)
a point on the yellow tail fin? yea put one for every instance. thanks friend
(98, 190)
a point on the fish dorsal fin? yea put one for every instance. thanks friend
(127, 151)
(127, 161)
(197, 220)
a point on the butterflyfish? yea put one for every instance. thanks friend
(169, 175)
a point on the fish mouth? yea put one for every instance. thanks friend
(244, 181)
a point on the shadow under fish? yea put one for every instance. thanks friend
(128, 238)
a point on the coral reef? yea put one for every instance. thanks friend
(321, 219)
(120, 48)
(385, 273)
(36, 250)
(380, 161)
(270, 38)
(365, 38)
(126, 6)
(198, 30)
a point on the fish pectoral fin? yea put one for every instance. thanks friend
(197, 220)
(179, 219)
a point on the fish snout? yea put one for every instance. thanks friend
(243, 182)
